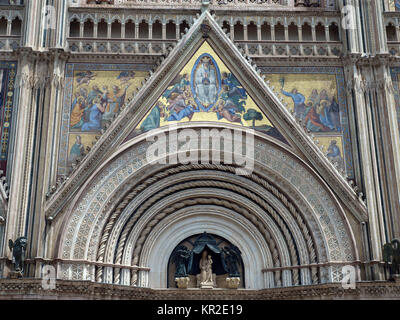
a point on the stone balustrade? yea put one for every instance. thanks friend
(10, 28)
(256, 35)
(124, 46)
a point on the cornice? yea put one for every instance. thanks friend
(114, 57)
(33, 54)
(8, 55)
(391, 14)
(76, 57)
(47, 55)
(32, 288)
(12, 7)
(152, 58)
(361, 59)
(297, 61)
(60, 53)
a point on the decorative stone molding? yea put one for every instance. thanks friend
(34, 70)
(233, 283)
(152, 180)
(4, 194)
(4, 190)
(22, 289)
(182, 283)
(132, 230)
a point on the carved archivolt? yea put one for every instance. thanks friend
(110, 220)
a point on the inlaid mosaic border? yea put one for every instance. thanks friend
(7, 108)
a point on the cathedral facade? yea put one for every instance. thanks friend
(230, 148)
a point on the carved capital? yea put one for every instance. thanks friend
(183, 282)
(232, 283)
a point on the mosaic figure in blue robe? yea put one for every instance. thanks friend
(232, 82)
(334, 111)
(153, 119)
(233, 93)
(77, 150)
(178, 85)
(325, 114)
(299, 102)
(95, 115)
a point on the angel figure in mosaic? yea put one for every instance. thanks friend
(85, 77)
(177, 85)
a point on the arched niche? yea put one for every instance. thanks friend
(190, 260)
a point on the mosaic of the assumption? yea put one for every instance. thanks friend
(95, 95)
(206, 90)
(314, 100)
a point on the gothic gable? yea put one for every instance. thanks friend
(206, 32)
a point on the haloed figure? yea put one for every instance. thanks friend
(206, 82)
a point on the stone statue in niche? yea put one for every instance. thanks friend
(231, 260)
(180, 258)
(206, 264)
(18, 256)
(206, 278)
(391, 256)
